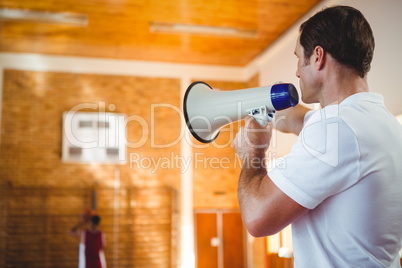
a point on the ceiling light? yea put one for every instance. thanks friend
(202, 29)
(74, 19)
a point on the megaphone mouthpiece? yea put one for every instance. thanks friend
(284, 96)
(206, 111)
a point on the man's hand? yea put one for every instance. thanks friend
(252, 139)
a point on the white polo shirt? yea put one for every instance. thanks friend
(346, 167)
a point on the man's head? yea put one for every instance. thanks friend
(344, 33)
(95, 220)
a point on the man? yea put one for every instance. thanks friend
(92, 241)
(341, 187)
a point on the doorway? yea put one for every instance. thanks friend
(220, 239)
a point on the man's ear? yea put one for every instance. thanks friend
(319, 57)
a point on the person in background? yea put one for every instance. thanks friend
(92, 242)
(341, 187)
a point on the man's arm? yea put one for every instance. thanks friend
(291, 120)
(264, 207)
(76, 230)
(103, 240)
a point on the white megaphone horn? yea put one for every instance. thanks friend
(206, 110)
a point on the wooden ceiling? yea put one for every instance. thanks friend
(120, 29)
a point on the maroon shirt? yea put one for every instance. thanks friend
(93, 245)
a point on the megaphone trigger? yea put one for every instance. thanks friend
(261, 115)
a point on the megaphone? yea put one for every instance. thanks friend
(206, 110)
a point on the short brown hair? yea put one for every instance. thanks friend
(95, 219)
(343, 32)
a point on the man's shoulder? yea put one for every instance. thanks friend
(319, 120)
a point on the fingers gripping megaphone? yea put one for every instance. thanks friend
(206, 110)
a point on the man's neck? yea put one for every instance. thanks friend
(340, 83)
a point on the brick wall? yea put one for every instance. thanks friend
(30, 163)
(31, 137)
(33, 103)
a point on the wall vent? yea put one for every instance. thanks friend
(94, 138)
